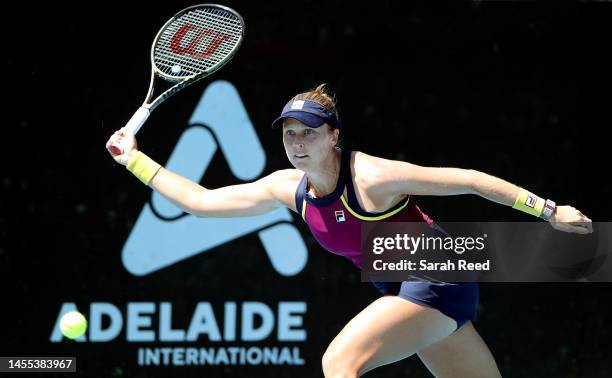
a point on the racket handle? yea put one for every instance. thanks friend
(133, 125)
(138, 119)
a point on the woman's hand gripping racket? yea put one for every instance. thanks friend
(193, 44)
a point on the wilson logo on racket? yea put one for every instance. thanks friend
(198, 34)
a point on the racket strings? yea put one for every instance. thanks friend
(204, 21)
(225, 48)
(203, 26)
(221, 26)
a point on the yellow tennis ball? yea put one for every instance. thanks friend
(73, 324)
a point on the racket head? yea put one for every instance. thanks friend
(196, 42)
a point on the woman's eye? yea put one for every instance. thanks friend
(308, 131)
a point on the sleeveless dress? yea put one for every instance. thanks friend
(335, 222)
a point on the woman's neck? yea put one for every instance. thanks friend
(324, 180)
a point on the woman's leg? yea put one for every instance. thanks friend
(388, 330)
(462, 354)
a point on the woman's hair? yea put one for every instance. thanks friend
(322, 96)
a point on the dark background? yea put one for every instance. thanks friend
(518, 90)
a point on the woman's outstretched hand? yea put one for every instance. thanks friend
(570, 219)
(126, 141)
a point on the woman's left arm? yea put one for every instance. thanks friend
(409, 178)
(563, 218)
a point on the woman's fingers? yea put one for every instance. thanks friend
(114, 140)
(586, 224)
(112, 145)
(583, 222)
(577, 227)
(580, 230)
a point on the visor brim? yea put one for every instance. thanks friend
(308, 119)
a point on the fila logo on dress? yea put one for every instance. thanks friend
(339, 215)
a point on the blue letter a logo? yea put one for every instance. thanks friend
(155, 243)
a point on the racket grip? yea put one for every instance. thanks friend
(138, 119)
(133, 125)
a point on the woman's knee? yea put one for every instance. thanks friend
(337, 364)
(462, 354)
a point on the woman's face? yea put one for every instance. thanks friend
(307, 147)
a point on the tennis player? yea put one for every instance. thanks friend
(334, 191)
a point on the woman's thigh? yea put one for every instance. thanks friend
(389, 329)
(462, 354)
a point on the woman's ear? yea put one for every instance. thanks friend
(336, 137)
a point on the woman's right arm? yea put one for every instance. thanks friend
(258, 197)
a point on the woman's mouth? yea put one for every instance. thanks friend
(300, 156)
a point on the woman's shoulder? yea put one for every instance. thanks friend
(377, 172)
(283, 183)
(371, 166)
(376, 180)
(286, 175)
(284, 180)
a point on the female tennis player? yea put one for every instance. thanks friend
(334, 191)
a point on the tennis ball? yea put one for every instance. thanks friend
(73, 324)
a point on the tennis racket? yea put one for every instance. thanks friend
(193, 44)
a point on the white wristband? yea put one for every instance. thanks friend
(549, 209)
